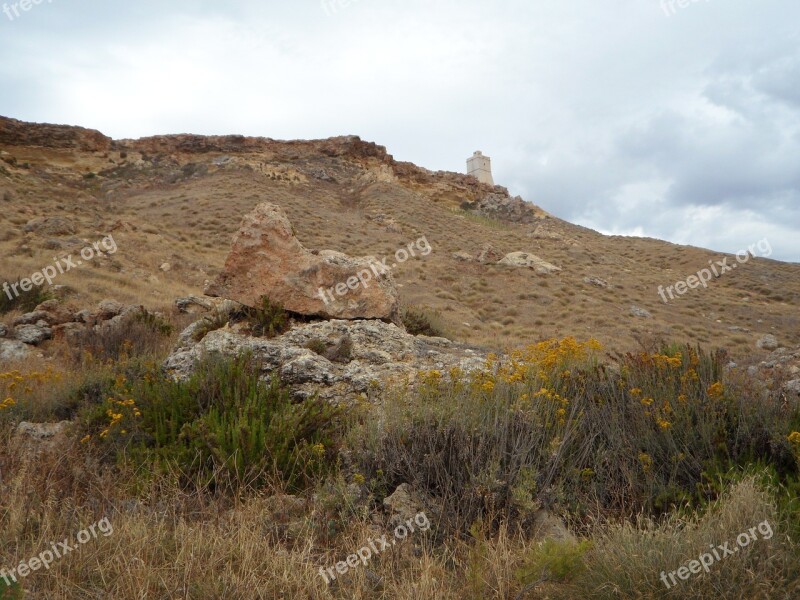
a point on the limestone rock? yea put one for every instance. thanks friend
(793, 386)
(380, 354)
(525, 259)
(499, 205)
(767, 342)
(488, 254)
(33, 335)
(32, 318)
(51, 226)
(193, 304)
(41, 431)
(550, 527)
(108, 309)
(38, 437)
(596, 281)
(266, 259)
(403, 505)
(12, 350)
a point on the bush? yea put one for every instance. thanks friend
(23, 301)
(339, 352)
(223, 428)
(138, 334)
(626, 560)
(419, 322)
(551, 427)
(268, 320)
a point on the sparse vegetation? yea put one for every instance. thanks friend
(138, 333)
(647, 461)
(22, 301)
(418, 321)
(268, 320)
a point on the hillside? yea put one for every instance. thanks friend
(173, 202)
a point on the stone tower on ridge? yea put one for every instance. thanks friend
(480, 167)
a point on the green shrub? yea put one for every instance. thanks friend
(10, 592)
(551, 426)
(268, 320)
(626, 560)
(154, 322)
(22, 301)
(138, 334)
(420, 322)
(554, 560)
(317, 346)
(339, 352)
(223, 427)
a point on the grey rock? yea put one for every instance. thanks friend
(525, 259)
(792, 386)
(33, 335)
(596, 281)
(41, 431)
(12, 350)
(108, 309)
(488, 254)
(193, 304)
(381, 354)
(51, 226)
(403, 504)
(641, 312)
(767, 342)
(32, 318)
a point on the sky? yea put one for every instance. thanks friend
(672, 119)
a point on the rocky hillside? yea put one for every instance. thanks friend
(501, 272)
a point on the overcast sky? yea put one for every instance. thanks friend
(626, 116)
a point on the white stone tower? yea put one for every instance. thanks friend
(480, 167)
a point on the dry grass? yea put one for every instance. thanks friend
(188, 223)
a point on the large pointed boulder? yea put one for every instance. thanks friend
(267, 260)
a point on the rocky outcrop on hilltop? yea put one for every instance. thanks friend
(267, 261)
(20, 133)
(501, 206)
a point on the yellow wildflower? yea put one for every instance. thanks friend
(646, 461)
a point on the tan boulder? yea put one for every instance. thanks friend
(525, 259)
(266, 259)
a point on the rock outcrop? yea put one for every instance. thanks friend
(20, 133)
(375, 356)
(267, 260)
(525, 259)
(503, 207)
